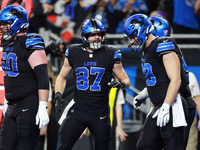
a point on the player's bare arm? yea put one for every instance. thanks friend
(37, 58)
(61, 79)
(172, 67)
(121, 74)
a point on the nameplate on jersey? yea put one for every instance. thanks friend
(9, 49)
(90, 63)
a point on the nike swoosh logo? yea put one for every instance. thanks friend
(103, 117)
(165, 40)
(23, 110)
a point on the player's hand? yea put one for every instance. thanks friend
(42, 117)
(137, 102)
(117, 84)
(121, 134)
(162, 115)
(140, 98)
(59, 104)
(85, 133)
(43, 131)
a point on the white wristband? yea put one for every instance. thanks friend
(166, 106)
(42, 104)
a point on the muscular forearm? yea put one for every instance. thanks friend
(172, 91)
(60, 84)
(127, 82)
(43, 94)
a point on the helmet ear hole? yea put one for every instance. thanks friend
(18, 24)
(143, 31)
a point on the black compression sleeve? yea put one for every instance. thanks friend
(42, 77)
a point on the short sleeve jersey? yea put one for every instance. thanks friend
(19, 78)
(92, 72)
(154, 71)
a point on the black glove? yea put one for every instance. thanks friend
(60, 104)
(117, 84)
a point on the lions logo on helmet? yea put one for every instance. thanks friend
(161, 26)
(89, 27)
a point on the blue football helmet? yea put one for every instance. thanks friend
(93, 26)
(137, 27)
(161, 26)
(16, 16)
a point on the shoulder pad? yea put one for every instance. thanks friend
(67, 52)
(34, 41)
(72, 46)
(165, 44)
(117, 53)
(164, 37)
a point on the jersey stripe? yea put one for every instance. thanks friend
(67, 52)
(165, 46)
(118, 56)
(35, 42)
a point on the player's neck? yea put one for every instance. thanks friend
(149, 40)
(19, 34)
(89, 50)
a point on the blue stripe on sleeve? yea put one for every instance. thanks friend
(165, 46)
(33, 42)
(118, 55)
(67, 52)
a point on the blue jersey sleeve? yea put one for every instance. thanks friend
(118, 56)
(165, 46)
(34, 42)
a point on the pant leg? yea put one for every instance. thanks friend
(19, 130)
(172, 137)
(8, 134)
(99, 125)
(70, 130)
(27, 130)
(150, 137)
(40, 143)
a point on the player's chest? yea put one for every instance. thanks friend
(89, 60)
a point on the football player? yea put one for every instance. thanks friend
(26, 81)
(93, 64)
(161, 27)
(163, 69)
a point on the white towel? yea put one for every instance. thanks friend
(65, 112)
(178, 113)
